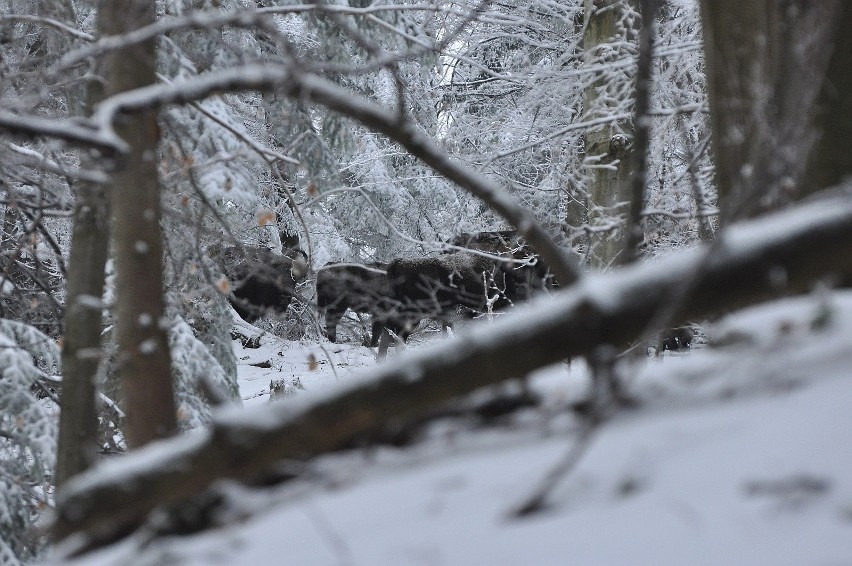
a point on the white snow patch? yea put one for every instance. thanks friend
(737, 455)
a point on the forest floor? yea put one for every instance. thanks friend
(739, 452)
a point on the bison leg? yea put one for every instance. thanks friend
(332, 317)
(377, 329)
(384, 343)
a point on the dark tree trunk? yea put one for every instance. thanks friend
(766, 63)
(642, 137)
(143, 355)
(831, 160)
(82, 352)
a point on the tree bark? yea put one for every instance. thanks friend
(766, 63)
(82, 352)
(831, 160)
(143, 355)
(642, 137)
(811, 242)
(607, 148)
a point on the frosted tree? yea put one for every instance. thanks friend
(507, 93)
(538, 94)
(197, 377)
(366, 200)
(28, 360)
(34, 178)
(681, 194)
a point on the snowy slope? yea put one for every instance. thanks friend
(739, 454)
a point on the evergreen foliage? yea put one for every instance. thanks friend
(192, 364)
(27, 437)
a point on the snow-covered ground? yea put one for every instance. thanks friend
(739, 453)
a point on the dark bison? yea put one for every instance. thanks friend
(499, 271)
(398, 296)
(522, 272)
(365, 289)
(439, 286)
(260, 279)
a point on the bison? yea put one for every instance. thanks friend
(434, 287)
(438, 286)
(500, 272)
(260, 279)
(521, 274)
(407, 291)
(365, 289)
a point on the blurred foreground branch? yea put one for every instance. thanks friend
(787, 252)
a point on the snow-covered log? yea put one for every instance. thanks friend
(785, 253)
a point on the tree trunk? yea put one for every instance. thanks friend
(607, 148)
(635, 233)
(143, 361)
(766, 63)
(831, 160)
(82, 353)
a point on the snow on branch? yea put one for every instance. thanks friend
(248, 77)
(76, 132)
(13, 153)
(244, 18)
(299, 84)
(61, 26)
(98, 131)
(798, 247)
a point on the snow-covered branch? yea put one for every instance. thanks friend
(799, 246)
(73, 131)
(307, 86)
(242, 18)
(61, 26)
(31, 158)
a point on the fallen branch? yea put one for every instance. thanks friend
(782, 254)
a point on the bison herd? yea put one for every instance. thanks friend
(496, 271)
(481, 272)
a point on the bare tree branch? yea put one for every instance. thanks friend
(303, 85)
(61, 26)
(800, 246)
(77, 132)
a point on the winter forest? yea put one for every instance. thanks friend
(425, 282)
